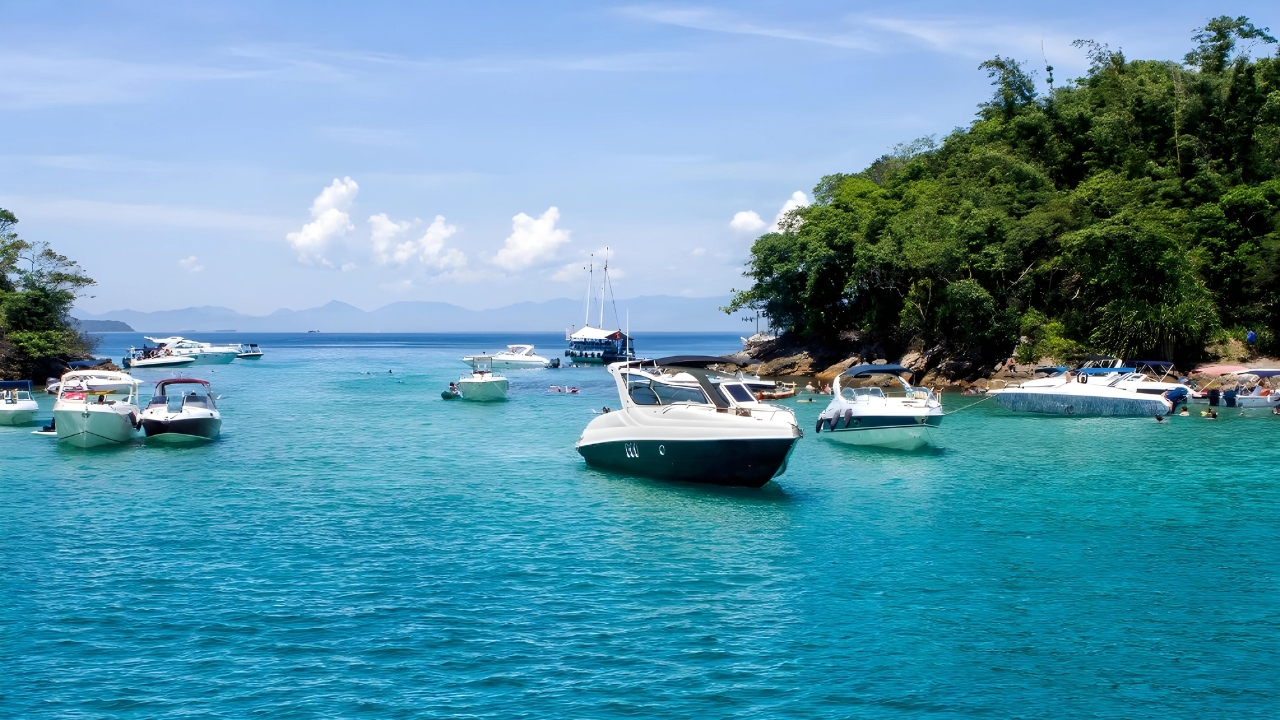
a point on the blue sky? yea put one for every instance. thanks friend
(259, 156)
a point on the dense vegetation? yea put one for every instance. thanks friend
(37, 289)
(1135, 211)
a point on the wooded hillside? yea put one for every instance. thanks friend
(1133, 211)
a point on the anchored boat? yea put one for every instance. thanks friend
(87, 417)
(482, 385)
(680, 420)
(17, 406)
(1103, 392)
(189, 415)
(873, 405)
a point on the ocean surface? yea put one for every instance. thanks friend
(355, 547)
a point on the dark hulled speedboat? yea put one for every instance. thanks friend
(187, 415)
(679, 420)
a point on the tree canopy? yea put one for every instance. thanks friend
(1135, 210)
(37, 290)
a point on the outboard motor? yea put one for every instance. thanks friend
(1229, 397)
(1214, 394)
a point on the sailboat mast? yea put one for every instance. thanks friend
(586, 316)
(603, 284)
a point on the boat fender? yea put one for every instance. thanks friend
(819, 428)
(1082, 378)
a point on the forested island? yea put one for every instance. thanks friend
(1133, 211)
(37, 289)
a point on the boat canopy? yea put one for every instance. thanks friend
(1105, 370)
(15, 385)
(591, 333)
(688, 361)
(1261, 373)
(1152, 363)
(161, 385)
(876, 370)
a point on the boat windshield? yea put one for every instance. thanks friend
(737, 392)
(198, 401)
(862, 389)
(647, 392)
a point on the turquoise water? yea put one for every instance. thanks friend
(356, 547)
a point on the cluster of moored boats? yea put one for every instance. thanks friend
(678, 417)
(96, 407)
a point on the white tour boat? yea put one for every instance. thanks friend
(17, 406)
(250, 351)
(202, 352)
(188, 415)
(482, 385)
(88, 418)
(680, 420)
(873, 405)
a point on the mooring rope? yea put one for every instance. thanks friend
(966, 407)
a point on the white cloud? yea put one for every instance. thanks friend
(329, 221)
(191, 264)
(797, 200)
(532, 240)
(429, 249)
(746, 221)
(715, 21)
(699, 252)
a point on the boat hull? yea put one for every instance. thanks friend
(92, 427)
(894, 432)
(210, 358)
(483, 390)
(20, 415)
(160, 362)
(182, 430)
(1082, 405)
(750, 462)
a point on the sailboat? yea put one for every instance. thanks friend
(596, 344)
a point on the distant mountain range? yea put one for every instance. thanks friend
(653, 313)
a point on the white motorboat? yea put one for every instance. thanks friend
(149, 357)
(1262, 394)
(482, 385)
(203, 353)
(680, 420)
(189, 415)
(1090, 392)
(94, 382)
(516, 356)
(86, 418)
(873, 405)
(17, 406)
(250, 351)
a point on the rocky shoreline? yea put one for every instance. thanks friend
(934, 367)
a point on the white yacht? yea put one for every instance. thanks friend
(516, 356)
(17, 406)
(873, 405)
(149, 357)
(89, 418)
(203, 353)
(188, 415)
(1100, 391)
(482, 385)
(1237, 393)
(680, 420)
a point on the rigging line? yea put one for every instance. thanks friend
(966, 407)
(614, 299)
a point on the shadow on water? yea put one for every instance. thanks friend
(640, 487)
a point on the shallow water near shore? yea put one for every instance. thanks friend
(354, 546)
